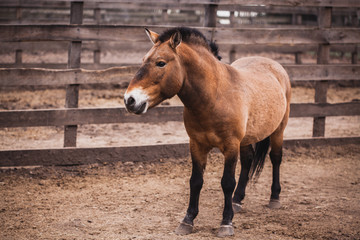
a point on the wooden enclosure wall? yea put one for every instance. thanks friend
(77, 35)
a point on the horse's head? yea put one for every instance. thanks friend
(160, 76)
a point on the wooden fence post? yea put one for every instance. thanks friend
(97, 15)
(18, 57)
(19, 14)
(18, 53)
(164, 16)
(97, 18)
(297, 20)
(354, 55)
(232, 55)
(232, 19)
(298, 58)
(97, 56)
(74, 60)
(324, 21)
(210, 15)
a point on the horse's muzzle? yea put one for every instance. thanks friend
(132, 107)
(136, 101)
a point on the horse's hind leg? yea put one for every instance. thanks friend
(199, 159)
(276, 142)
(246, 157)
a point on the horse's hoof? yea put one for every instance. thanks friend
(225, 231)
(184, 229)
(237, 207)
(274, 204)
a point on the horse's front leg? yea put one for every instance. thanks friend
(199, 159)
(246, 157)
(228, 185)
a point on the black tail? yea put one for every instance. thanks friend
(261, 149)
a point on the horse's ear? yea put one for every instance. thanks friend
(175, 39)
(154, 37)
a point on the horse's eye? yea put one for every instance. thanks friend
(161, 64)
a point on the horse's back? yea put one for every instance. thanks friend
(268, 92)
(258, 66)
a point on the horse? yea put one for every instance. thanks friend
(229, 107)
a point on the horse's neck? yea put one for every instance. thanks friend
(201, 81)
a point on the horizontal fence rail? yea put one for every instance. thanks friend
(104, 155)
(291, 3)
(275, 36)
(59, 46)
(60, 117)
(33, 76)
(158, 12)
(118, 75)
(346, 8)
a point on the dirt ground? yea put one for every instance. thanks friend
(129, 200)
(320, 198)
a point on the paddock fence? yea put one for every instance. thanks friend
(336, 29)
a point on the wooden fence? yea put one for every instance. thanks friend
(77, 35)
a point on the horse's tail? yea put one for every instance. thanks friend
(261, 149)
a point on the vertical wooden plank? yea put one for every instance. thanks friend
(299, 19)
(72, 100)
(97, 56)
(232, 19)
(76, 12)
(324, 17)
(210, 15)
(18, 57)
(324, 21)
(74, 61)
(97, 18)
(354, 20)
(320, 97)
(19, 14)
(97, 15)
(296, 19)
(164, 16)
(298, 58)
(74, 54)
(232, 55)
(323, 57)
(323, 54)
(354, 56)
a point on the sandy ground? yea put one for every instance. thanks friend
(129, 200)
(320, 198)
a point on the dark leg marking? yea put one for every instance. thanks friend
(276, 158)
(196, 183)
(246, 157)
(228, 185)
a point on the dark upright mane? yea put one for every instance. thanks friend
(191, 35)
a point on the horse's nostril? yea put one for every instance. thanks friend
(130, 101)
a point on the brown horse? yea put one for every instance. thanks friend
(229, 107)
